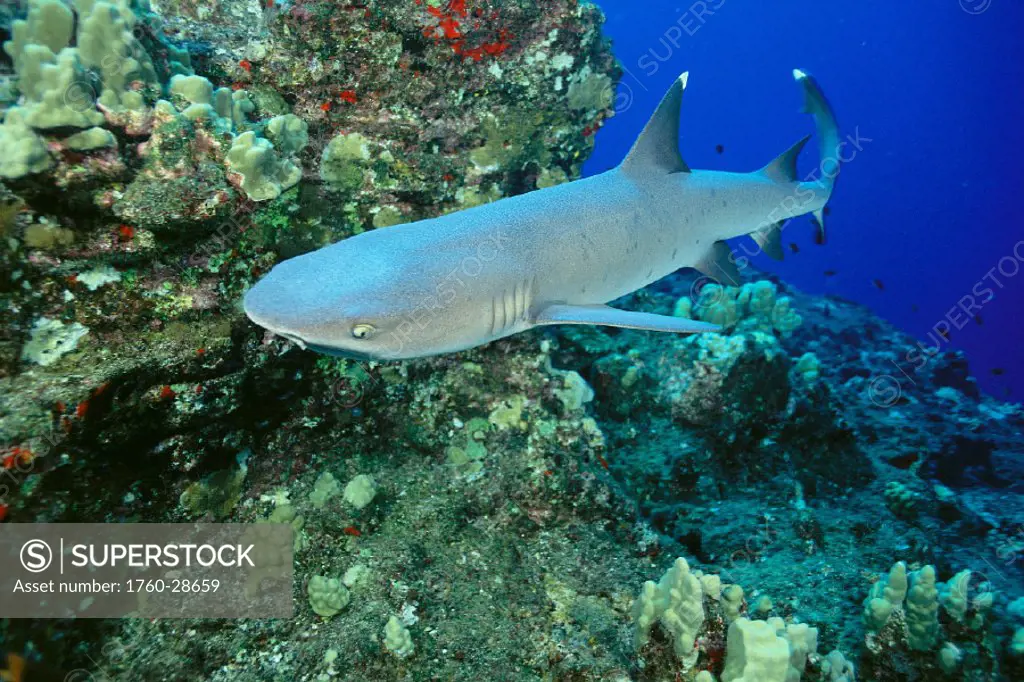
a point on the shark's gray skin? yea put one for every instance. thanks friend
(553, 256)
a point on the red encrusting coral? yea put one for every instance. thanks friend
(451, 29)
(17, 457)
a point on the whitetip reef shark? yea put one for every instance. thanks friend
(553, 256)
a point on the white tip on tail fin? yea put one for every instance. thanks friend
(657, 148)
(818, 106)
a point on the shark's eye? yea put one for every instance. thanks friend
(362, 331)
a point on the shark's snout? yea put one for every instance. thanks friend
(297, 308)
(255, 308)
(263, 316)
(261, 306)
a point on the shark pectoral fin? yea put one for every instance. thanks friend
(719, 263)
(612, 317)
(769, 239)
(657, 148)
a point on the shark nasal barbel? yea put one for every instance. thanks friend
(553, 256)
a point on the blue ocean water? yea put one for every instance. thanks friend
(926, 226)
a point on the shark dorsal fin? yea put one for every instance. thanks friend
(657, 148)
(783, 168)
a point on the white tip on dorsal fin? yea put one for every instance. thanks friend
(657, 148)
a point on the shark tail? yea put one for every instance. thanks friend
(820, 184)
(828, 141)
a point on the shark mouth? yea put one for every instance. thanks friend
(294, 339)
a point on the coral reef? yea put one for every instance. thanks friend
(327, 596)
(397, 638)
(752, 306)
(676, 602)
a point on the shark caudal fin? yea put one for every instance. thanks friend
(783, 168)
(828, 140)
(657, 148)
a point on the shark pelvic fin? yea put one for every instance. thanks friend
(783, 168)
(719, 263)
(657, 148)
(769, 239)
(612, 317)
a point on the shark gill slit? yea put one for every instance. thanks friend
(497, 315)
(515, 304)
(528, 298)
(499, 304)
(508, 304)
(512, 307)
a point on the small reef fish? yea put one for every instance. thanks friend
(553, 256)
